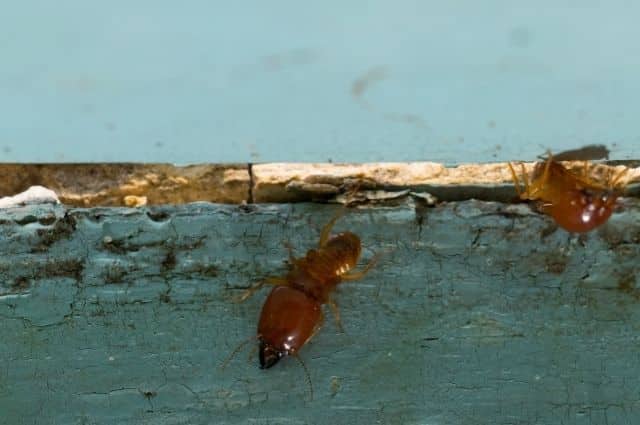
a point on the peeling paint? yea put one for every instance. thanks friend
(124, 316)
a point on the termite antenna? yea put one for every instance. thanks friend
(306, 372)
(235, 351)
(252, 353)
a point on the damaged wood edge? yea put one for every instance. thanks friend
(290, 182)
(133, 185)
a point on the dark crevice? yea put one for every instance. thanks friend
(250, 171)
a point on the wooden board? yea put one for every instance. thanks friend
(478, 312)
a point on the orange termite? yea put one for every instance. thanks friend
(292, 312)
(576, 202)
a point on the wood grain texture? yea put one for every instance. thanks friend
(478, 313)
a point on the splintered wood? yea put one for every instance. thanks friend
(286, 182)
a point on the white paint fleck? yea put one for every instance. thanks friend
(9, 296)
(33, 195)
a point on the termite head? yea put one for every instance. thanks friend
(288, 319)
(578, 203)
(597, 205)
(269, 355)
(585, 209)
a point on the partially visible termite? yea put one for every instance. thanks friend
(576, 202)
(292, 314)
(584, 153)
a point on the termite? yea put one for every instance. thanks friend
(576, 202)
(292, 313)
(585, 153)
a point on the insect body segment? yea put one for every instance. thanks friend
(318, 272)
(289, 318)
(576, 202)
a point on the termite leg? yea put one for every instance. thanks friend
(585, 171)
(547, 167)
(252, 352)
(525, 179)
(306, 372)
(516, 181)
(292, 258)
(235, 351)
(336, 313)
(544, 207)
(586, 176)
(326, 230)
(360, 274)
(616, 179)
(276, 281)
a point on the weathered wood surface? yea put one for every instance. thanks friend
(118, 184)
(478, 313)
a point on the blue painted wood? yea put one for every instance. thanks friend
(394, 80)
(478, 313)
